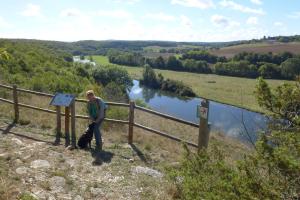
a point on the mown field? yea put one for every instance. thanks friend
(231, 90)
(293, 47)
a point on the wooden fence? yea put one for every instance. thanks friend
(202, 126)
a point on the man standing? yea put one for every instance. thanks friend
(96, 109)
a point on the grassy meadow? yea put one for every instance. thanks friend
(230, 90)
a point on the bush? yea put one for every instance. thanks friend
(107, 74)
(271, 171)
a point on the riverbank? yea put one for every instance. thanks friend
(234, 91)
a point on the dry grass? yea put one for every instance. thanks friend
(149, 143)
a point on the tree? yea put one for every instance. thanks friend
(173, 63)
(3, 54)
(91, 58)
(290, 68)
(269, 70)
(159, 62)
(149, 77)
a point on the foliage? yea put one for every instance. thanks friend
(37, 67)
(236, 68)
(200, 55)
(151, 80)
(269, 70)
(107, 74)
(3, 54)
(290, 68)
(149, 77)
(191, 65)
(272, 171)
(141, 102)
(125, 58)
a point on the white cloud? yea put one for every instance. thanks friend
(221, 21)
(70, 12)
(160, 16)
(252, 21)
(257, 2)
(295, 15)
(235, 6)
(185, 21)
(32, 10)
(278, 24)
(114, 13)
(202, 4)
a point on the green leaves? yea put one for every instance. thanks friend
(4, 54)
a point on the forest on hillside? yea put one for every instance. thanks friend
(36, 66)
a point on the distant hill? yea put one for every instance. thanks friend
(265, 47)
(228, 49)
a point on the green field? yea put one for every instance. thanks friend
(101, 60)
(225, 89)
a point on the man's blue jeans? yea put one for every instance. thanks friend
(98, 135)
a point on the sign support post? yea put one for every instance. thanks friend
(202, 112)
(58, 125)
(67, 101)
(73, 129)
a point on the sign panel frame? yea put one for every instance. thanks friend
(61, 99)
(202, 112)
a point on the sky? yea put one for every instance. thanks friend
(170, 20)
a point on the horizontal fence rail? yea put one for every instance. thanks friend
(131, 106)
(167, 116)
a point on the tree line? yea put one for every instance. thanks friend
(150, 79)
(246, 64)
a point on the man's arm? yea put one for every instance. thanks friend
(101, 111)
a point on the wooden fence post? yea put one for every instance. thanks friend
(58, 125)
(131, 122)
(73, 127)
(67, 126)
(203, 125)
(16, 103)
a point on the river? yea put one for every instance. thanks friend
(230, 120)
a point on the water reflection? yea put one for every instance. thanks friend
(230, 120)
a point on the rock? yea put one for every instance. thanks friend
(40, 176)
(148, 171)
(18, 162)
(3, 155)
(78, 198)
(17, 141)
(57, 183)
(42, 194)
(108, 177)
(96, 191)
(40, 164)
(26, 157)
(70, 162)
(64, 196)
(22, 170)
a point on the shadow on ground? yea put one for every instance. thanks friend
(101, 157)
(139, 153)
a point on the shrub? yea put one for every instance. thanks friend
(271, 171)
